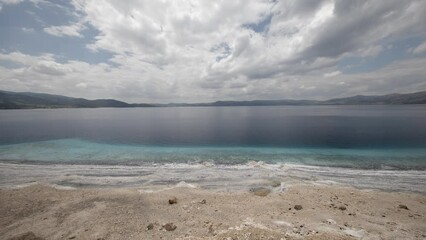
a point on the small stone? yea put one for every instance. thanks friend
(150, 227)
(169, 226)
(402, 206)
(261, 192)
(343, 208)
(72, 237)
(275, 183)
(331, 221)
(173, 200)
(298, 207)
(203, 201)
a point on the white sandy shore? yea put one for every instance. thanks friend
(328, 212)
(225, 178)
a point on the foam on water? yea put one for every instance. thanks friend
(79, 163)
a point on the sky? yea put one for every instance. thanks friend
(201, 51)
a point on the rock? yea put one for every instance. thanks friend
(203, 201)
(169, 226)
(331, 221)
(72, 237)
(298, 207)
(150, 226)
(275, 183)
(173, 200)
(261, 192)
(26, 236)
(343, 208)
(402, 206)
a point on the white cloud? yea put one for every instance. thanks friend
(27, 30)
(191, 51)
(10, 1)
(332, 74)
(72, 30)
(419, 49)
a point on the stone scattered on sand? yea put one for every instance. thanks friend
(298, 207)
(150, 226)
(203, 201)
(72, 237)
(275, 183)
(173, 200)
(402, 206)
(26, 236)
(343, 208)
(330, 221)
(169, 226)
(261, 192)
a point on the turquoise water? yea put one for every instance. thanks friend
(224, 148)
(77, 151)
(361, 137)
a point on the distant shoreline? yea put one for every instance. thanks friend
(29, 100)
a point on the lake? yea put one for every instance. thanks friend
(367, 146)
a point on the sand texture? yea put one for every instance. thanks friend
(323, 212)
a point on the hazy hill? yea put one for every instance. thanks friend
(15, 100)
(410, 98)
(12, 100)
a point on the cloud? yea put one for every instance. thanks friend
(332, 74)
(419, 49)
(192, 51)
(72, 30)
(27, 30)
(10, 1)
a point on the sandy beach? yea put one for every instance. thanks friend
(300, 212)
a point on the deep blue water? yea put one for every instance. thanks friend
(349, 136)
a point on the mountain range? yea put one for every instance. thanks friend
(28, 100)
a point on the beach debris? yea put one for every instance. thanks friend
(343, 208)
(331, 221)
(402, 206)
(275, 183)
(173, 200)
(150, 226)
(26, 236)
(298, 207)
(169, 226)
(261, 191)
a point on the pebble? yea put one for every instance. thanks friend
(173, 200)
(150, 227)
(402, 206)
(298, 207)
(169, 226)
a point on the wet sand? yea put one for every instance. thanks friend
(325, 212)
